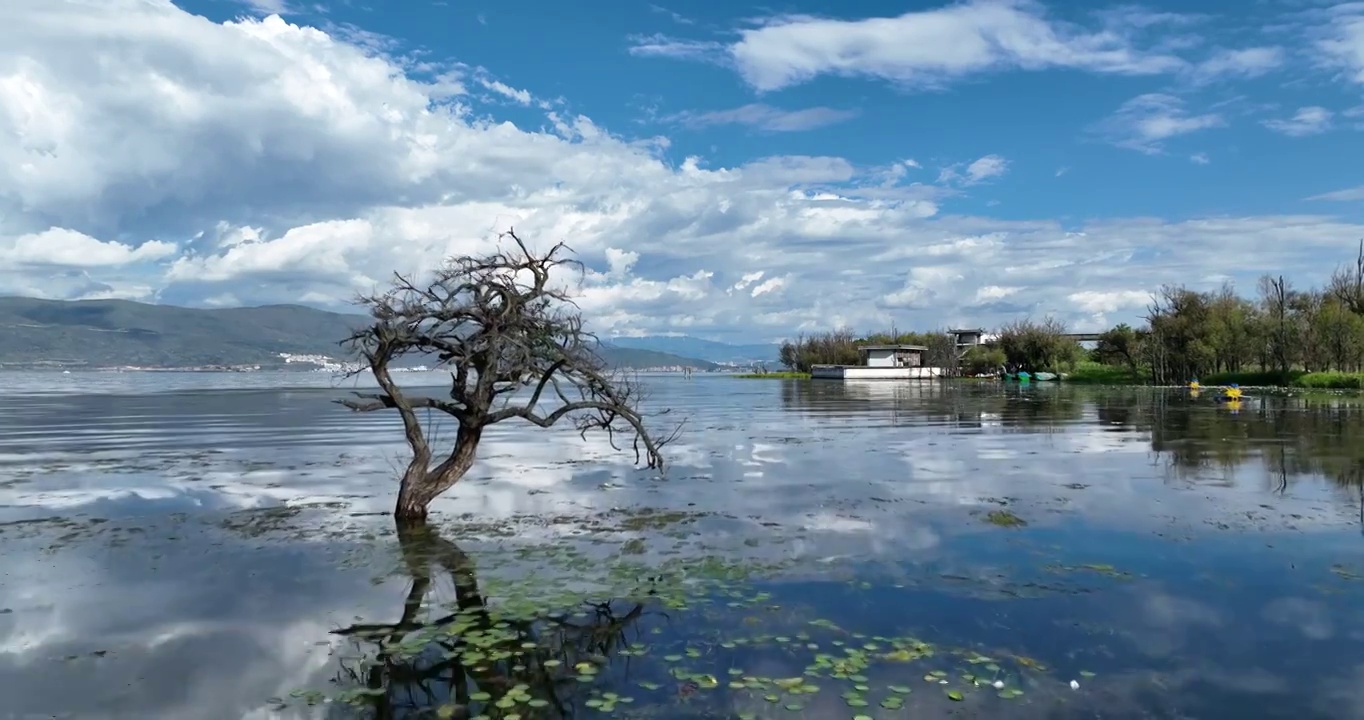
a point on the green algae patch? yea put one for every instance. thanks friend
(1004, 519)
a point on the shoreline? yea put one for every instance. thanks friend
(1325, 383)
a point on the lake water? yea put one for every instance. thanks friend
(214, 546)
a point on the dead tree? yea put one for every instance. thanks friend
(1347, 283)
(515, 348)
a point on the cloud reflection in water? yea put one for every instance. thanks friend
(1213, 556)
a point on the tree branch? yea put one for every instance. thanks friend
(379, 401)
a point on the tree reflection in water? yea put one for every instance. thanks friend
(475, 660)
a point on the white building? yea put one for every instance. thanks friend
(882, 362)
(893, 355)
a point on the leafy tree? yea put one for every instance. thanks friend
(982, 359)
(1038, 345)
(1190, 333)
(838, 347)
(1120, 345)
(1339, 334)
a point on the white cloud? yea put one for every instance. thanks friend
(1145, 122)
(929, 49)
(1200, 159)
(620, 261)
(1312, 120)
(748, 279)
(519, 96)
(985, 168)
(924, 285)
(160, 155)
(269, 7)
(992, 293)
(1109, 301)
(1346, 195)
(1340, 42)
(676, 17)
(932, 47)
(320, 250)
(68, 248)
(769, 285)
(766, 117)
(1242, 63)
(658, 45)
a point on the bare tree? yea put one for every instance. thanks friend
(498, 326)
(1347, 283)
(1276, 296)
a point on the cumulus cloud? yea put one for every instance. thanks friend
(1145, 122)
(161, 155)
(1312, 120)
(68, 248)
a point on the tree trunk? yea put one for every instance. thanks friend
(420, 486)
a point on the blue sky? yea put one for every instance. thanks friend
(610, 66)
(729, 171)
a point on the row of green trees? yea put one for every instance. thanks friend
(1025, 343)
(1278, 330)
(1035, 346)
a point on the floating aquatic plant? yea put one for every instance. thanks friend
(522, 645)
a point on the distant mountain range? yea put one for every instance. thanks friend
(716, 352)
(105, 333)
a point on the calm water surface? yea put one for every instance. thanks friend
(213, 546)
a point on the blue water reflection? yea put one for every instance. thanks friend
(188, 553)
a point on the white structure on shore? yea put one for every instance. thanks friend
(882, 362)
(320, 363)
